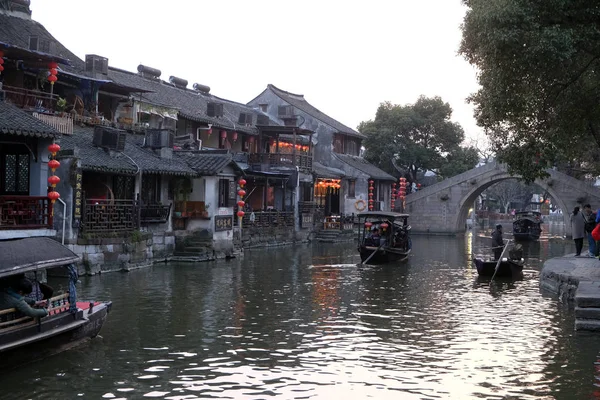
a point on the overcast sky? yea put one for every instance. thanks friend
(346, 57)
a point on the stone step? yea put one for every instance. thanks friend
(587, 313)
(587, 325)
(588, 294)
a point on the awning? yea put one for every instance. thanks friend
(29, 254)
(19, 53)
(161, 111)
(322, 171)
(79, 76)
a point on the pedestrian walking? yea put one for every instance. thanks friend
(577, 230)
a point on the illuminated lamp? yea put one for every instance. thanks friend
(241, 192)
(53, 149)
(234, 137)
(53, 180)
(368, 224)
(384, 226)
(241, 203)
(53, 164)
(240, 213)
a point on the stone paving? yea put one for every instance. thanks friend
(575, 279)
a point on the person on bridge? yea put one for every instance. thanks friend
(497, 242)
(577, 230)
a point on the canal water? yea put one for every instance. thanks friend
(308, 322)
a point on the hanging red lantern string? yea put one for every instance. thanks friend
(53, 196)
(52, 64)
(53, 164)
(368, 224)
(241, 192)
(242, 182)
(384, 226)
(53, 149)
(1, 61)
(53, 180)
(234, 136)
(371, 195)
(240, 213)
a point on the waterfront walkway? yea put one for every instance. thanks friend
(575, 279)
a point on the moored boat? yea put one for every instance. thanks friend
(69, 322)
(383, 237)
(527, 225)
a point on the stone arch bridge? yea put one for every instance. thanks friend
(443, 208)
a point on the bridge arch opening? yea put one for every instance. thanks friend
(468, 200)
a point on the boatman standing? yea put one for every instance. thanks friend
(497, 242)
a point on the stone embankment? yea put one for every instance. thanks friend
(576, 279)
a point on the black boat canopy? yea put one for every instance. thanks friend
(384, 214)
(29, 254)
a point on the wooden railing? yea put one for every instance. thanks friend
(62, 124)
(30, 99)
(11, 317)
(302, 161)
(25, 212)
(154, 213)
(265, 219)
(103, 216)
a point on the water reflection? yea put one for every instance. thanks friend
(311, 322)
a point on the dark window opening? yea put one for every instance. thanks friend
(14, 173)
(225, 193)
(352, 189)
(150, 189)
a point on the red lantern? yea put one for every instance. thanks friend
(1, 53)
(53, 196)
(209, 131)
(368, 224)
(242, 182)
(1, 60)
(240, 213)
(241, 192)
(52, 79)
(53, 71)
(370, 194)
(53, 149)
(53, 180)
(1, 67)
(384, 226)
(234, 136)
(251, 139)
(52, 64)
(371, 182)
(241, 203)
(223, 134)
(370, 201)
(53, 164)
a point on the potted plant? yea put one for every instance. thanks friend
(205, 212)
(61, 106)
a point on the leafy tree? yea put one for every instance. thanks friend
(416, 138)
(539, 71)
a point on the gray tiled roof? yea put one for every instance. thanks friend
(205, 163)
(327, 172)
(15, 121)
(364, 166)
(97, 159)
(191, 104)
(298, 101)
(16, 31)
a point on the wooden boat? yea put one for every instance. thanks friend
(527, 225)
(383, 237)
(508, 268)
(69, 322)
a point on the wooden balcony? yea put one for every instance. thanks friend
(302, 161)
(154, 213)
(109, 216)
(25, 212)
(30, 99)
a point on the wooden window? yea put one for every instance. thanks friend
(123, 187)
(338, 144)
(352, 189)
(263, 107)
(225, 195)
(150, 189)
(14, 171)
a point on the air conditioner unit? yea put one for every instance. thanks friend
(159, 138)
(214, 110)
(96, 64)
(109, 138)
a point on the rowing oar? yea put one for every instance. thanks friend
(500, 259)
(373, 253)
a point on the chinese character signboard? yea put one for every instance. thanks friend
(223, 223)
(77, 198)
(307, 220)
